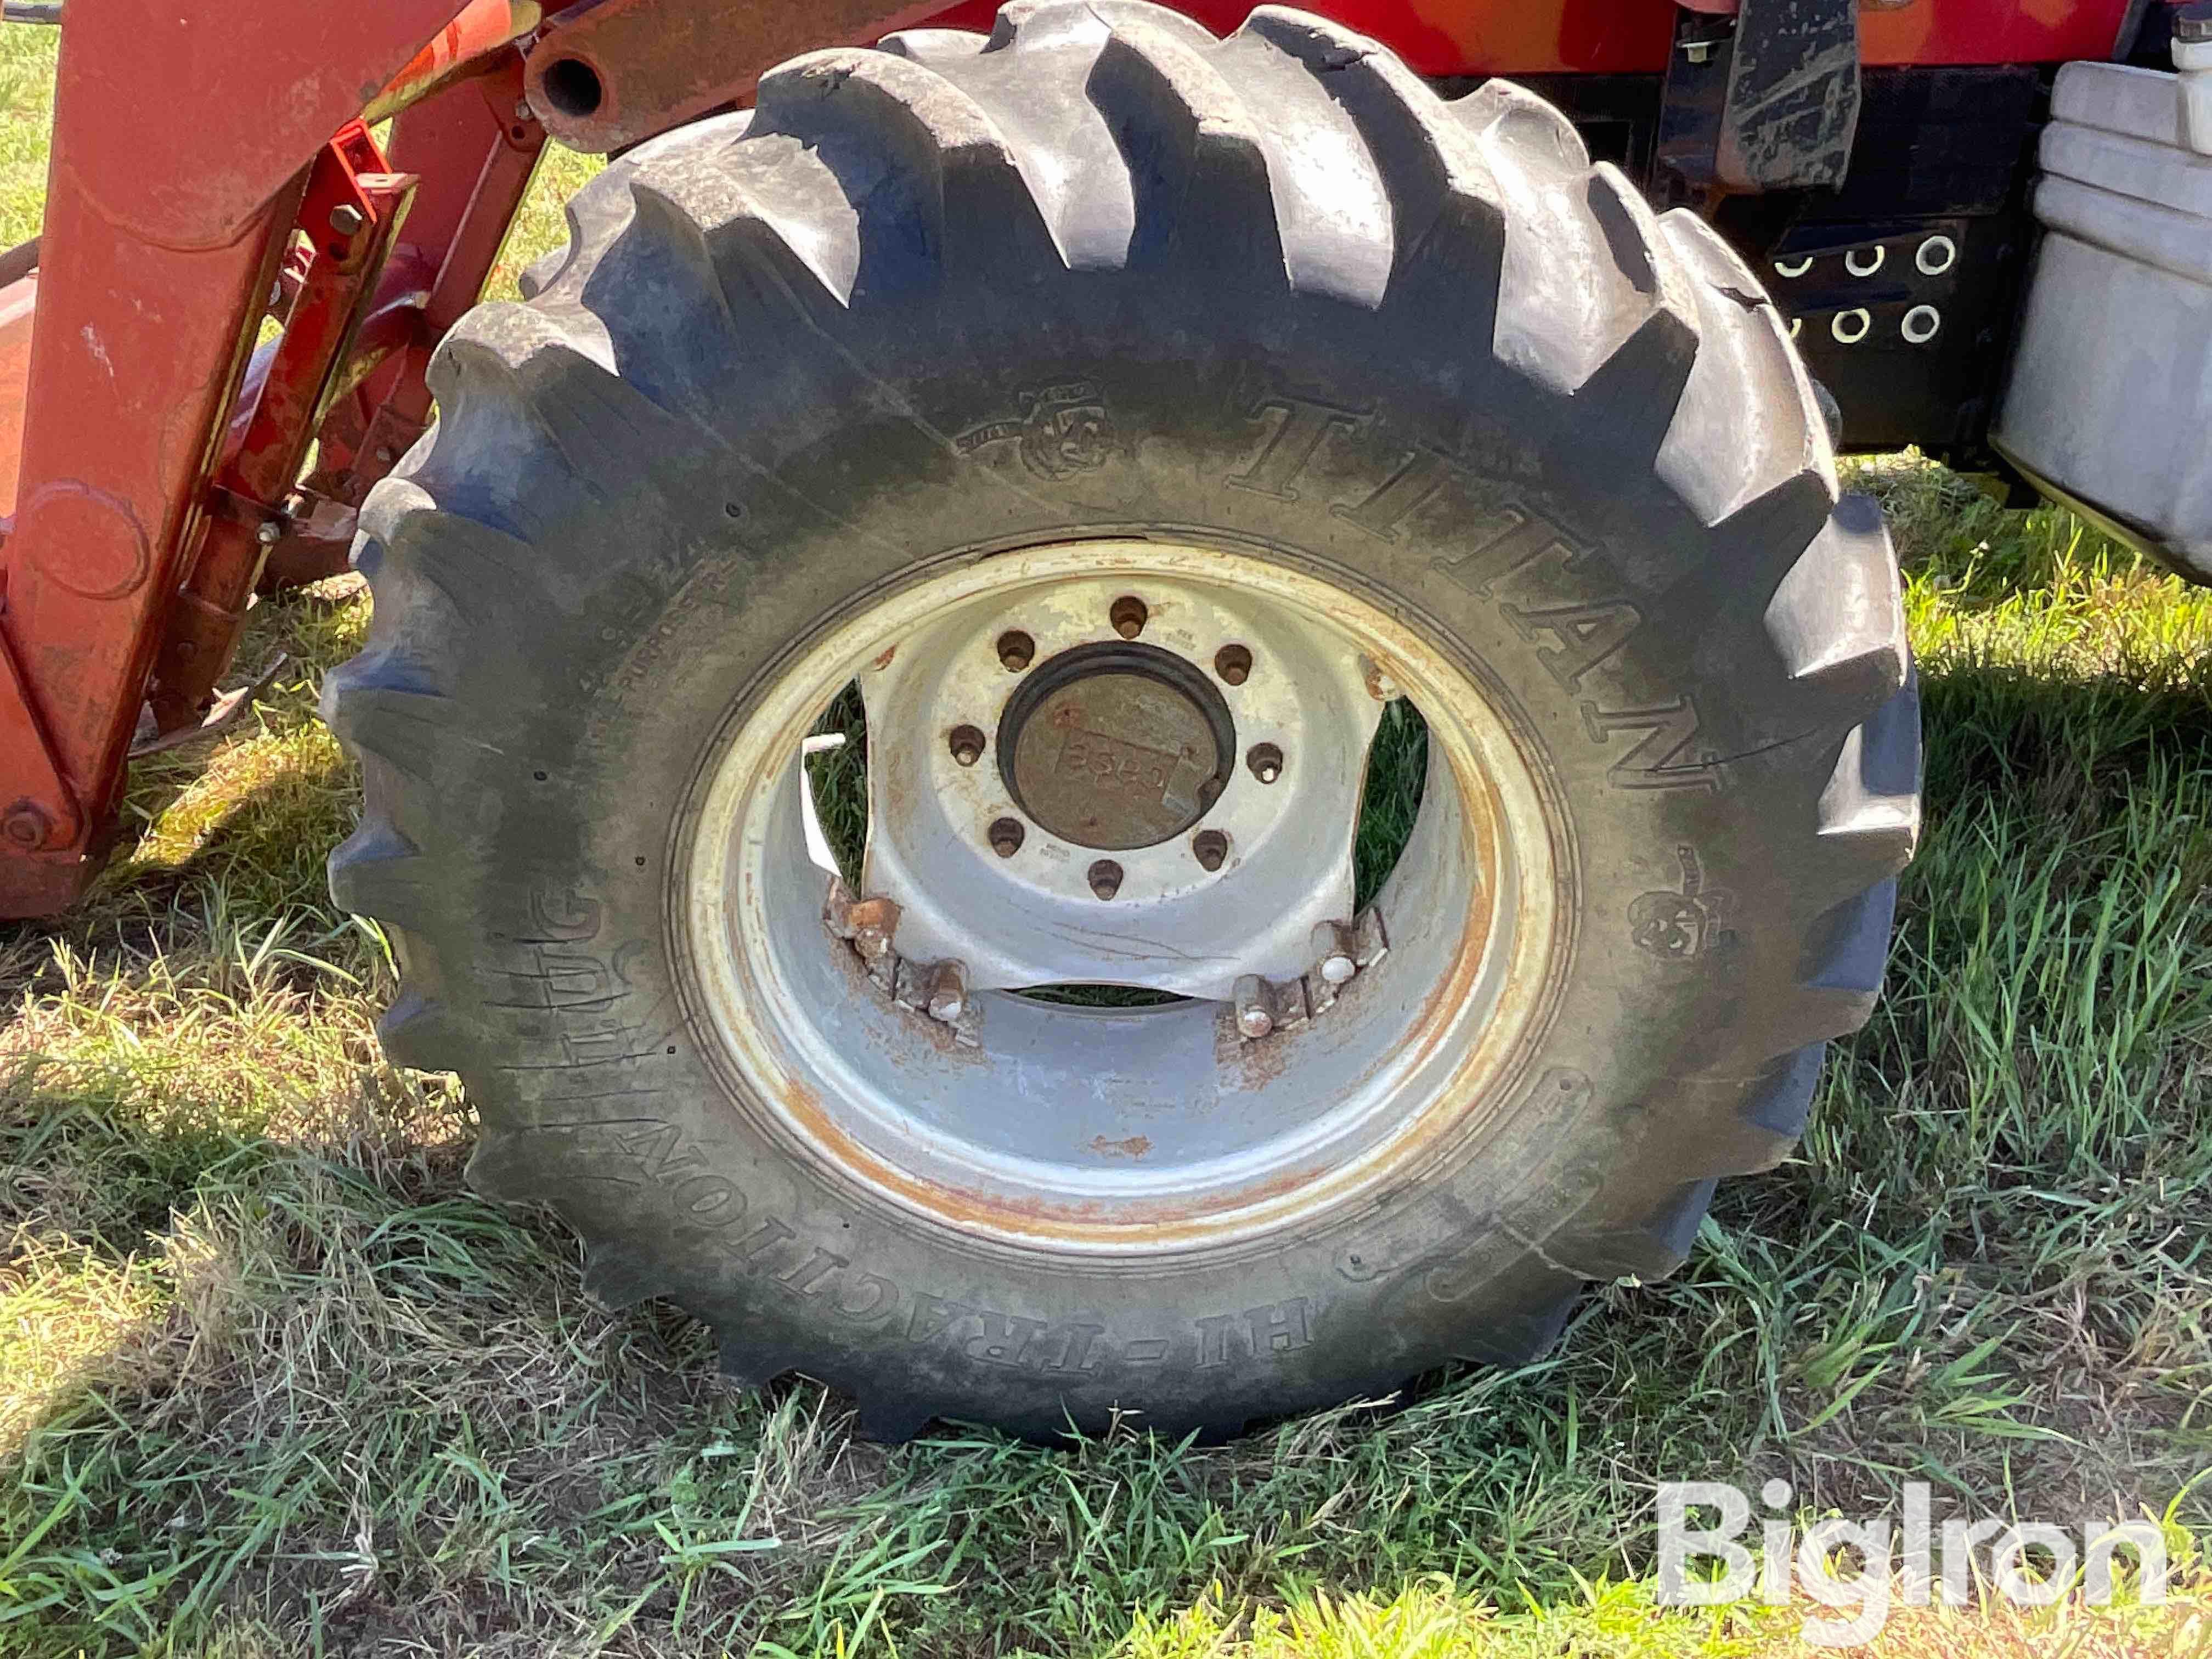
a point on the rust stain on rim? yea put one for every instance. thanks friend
(1157, 1220)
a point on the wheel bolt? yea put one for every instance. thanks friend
(1233, 662)
(1005, 836)
(967, 745)
(1017, 650)
(1105, 878)
(1254, 1019)
(1331, 949)
(1212, 847)
(874, 922)
(1129, 616)
(948, 991)
(1265, 761)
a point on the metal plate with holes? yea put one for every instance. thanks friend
(1114, 776)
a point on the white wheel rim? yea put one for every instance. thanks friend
(1124, 1130)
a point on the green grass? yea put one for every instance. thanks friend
(272, 1382)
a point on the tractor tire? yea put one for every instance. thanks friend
(960, 333)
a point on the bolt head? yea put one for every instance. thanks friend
(25, 827)
(347, 219)
(270, 533)
(1332, 945)
(1254, 1019)
(874, 922)
(948, 991)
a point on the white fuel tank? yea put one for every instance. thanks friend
(2109, 404)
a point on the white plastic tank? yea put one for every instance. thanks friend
(2110, 401)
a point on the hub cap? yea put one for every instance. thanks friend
(1116, 747)
(1136, 765)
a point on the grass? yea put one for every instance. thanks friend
(272, 1382)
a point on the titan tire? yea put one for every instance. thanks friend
(959, 335)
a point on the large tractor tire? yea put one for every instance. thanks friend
(1134, 415)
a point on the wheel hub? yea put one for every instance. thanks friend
(1116, 746)
(1053, 802)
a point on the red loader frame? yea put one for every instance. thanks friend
(213, 169)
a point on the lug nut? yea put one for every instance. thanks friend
(1254, 1019)
(1105, 878)
(874, 922)
(967, 744)
(1265, 761)
(1017, 650)
(1005, 836)
(1212, 847)
(1331, 949)
(948, 991)
(1233, 662)
(1129, 616)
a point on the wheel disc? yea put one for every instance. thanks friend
(1131, 764)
